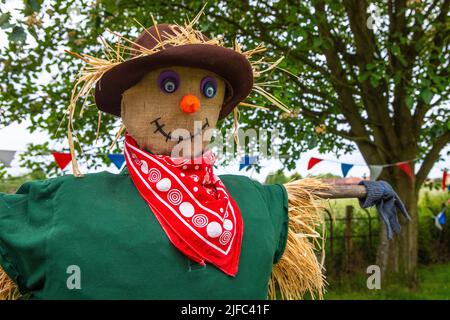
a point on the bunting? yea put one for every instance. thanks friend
(406, 168)
(375, 171)
(345, 167)
(247, 161)
(440, 219)
(444, 179)
(62, 159)
(312, 162)
(6, 156)
(117, 159)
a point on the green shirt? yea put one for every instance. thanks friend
(102, 226)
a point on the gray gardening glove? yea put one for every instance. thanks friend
(381, 195)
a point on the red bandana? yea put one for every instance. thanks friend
(192, 205)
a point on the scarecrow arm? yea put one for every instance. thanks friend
(341, 191)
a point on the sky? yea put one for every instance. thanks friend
(17, 136)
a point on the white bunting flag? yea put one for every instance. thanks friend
(6, 156)
(375, 171)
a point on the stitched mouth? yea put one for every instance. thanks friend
(168, 135)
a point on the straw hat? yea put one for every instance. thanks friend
(234, 68)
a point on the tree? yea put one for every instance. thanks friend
(377, 81)
(280, 178)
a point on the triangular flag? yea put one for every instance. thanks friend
(117, 158)
(247, 161)
(312, 162)
(345, 167)
(62, 159)
(444, 178)
(406, 168)
(437, 224)
(375, 171)
(440, 219)
(6, 156)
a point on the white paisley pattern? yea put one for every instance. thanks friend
(225, 237)
(200, 220)
(154, 175)
(175, 197)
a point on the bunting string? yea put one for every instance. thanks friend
(364, 164)
(62, 159)
(375, 169)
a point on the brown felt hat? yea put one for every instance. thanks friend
(232, 66)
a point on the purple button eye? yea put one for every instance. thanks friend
(208, 86)
(168, 81)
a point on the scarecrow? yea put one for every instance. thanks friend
(168, 227)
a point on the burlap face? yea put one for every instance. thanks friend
(145, 108)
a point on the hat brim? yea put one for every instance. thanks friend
(232, 66)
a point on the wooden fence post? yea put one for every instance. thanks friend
(348, 236)
(330, 237)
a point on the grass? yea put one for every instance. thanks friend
(12, 184)
(434, 284)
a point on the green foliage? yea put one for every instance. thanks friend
(11, 184)
(407, 64)
(278, 177)
(17, 35)
(434, 284)
(434, 245)
(3, 172)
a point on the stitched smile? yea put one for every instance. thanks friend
(168, 135)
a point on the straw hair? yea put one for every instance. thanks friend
(8, 289)
(299, 271)
(95, 68)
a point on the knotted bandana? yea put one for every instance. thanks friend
(192, 205)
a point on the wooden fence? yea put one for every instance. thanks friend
(349, 233)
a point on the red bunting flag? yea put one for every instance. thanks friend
(444, 180)
(62, 159)
(313, 161)
(406, 168)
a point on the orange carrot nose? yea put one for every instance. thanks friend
(189, 103)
